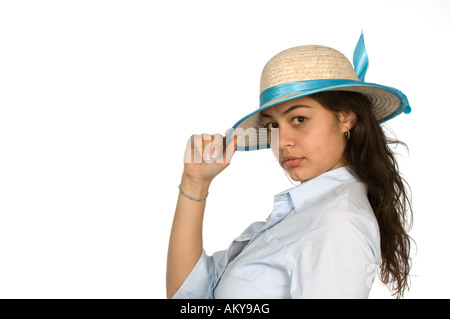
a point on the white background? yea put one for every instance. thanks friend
(97, 101)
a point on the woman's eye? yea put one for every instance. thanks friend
(270, 125)
(299, 120)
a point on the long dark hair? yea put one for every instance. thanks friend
(369, 157)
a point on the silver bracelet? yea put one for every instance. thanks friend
(192, 198)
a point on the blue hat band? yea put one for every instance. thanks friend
(293, 90)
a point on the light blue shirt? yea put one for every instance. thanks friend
(320, 241)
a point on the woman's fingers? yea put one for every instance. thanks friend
(208, 145)
(209, 149)
(214, 149)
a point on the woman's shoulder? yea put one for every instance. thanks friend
(347, 209)
(343, 218)
(347, 199)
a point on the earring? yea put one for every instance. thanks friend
(347, 135)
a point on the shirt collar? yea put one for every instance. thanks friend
(310, 192)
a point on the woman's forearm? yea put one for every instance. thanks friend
(205, 157)
(186, 240)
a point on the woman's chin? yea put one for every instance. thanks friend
(296, 175)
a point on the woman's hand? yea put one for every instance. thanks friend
(206, 156)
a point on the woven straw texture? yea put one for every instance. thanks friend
(309, 62)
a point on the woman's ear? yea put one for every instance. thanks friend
(347, 120)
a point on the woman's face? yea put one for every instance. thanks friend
(311, 138)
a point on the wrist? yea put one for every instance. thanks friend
(195, 187)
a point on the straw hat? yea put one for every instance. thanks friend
(304, 70)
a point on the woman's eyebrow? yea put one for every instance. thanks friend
(293, 108)
(265, 115)
(285, 112)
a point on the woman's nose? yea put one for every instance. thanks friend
(285, 138)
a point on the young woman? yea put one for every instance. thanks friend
(326, 237)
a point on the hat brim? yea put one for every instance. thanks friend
(387, 103)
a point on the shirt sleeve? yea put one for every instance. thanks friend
(202, 279)
(337, 257)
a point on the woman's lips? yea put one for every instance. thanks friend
(292, 161)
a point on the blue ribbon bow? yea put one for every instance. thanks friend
(360, 59)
